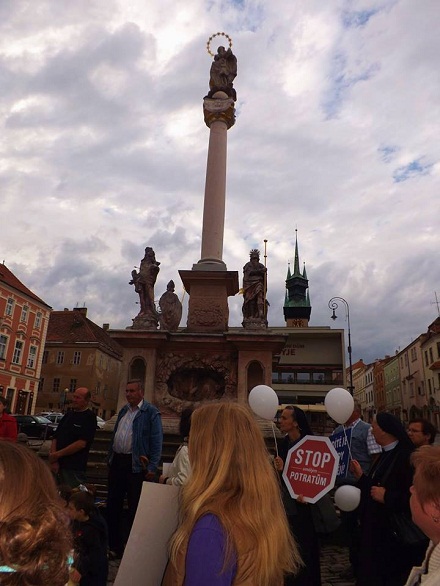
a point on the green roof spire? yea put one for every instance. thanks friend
(296, 263)
(297, 299)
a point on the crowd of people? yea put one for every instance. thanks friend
(50, 526)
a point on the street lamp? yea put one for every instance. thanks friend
(333, 305)
(64, 400)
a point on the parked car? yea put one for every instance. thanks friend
(55, 418)
(52, 416)
(35, 426)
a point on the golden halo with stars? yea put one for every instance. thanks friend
(208, 44)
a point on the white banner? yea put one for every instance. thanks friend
(146, 554)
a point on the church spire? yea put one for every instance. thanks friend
(296, 263)
(297, 308)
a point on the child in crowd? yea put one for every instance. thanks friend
(90, 567)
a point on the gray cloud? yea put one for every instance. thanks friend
(103, 152)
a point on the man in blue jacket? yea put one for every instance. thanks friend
(134, 456)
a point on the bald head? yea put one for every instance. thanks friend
(80, 399)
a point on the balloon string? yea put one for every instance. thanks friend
(275, 438)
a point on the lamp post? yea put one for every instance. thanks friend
(333, 305)
(64, 400)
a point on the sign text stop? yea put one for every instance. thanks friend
(310, 468)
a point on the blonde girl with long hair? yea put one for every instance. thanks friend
(233, 529)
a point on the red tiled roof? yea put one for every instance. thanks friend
(70, 327)
(7, 277)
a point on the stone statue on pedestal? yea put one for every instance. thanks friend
(144, 282)
(254, 292)
(171, 309)
(223, 72)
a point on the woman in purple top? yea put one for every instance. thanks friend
(232, 529)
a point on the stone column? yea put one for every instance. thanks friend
(209, 283)
(219, 115)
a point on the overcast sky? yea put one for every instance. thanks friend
(103, 152)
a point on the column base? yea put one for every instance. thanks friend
(209, 264)
(208, 291)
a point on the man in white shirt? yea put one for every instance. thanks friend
(134, 455)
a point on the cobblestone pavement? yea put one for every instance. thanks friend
(334, 560)
(112, 571)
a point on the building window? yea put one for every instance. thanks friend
(429, 386)
(77, 357)
(38, 317)
(45, 356)
(41, 385)
(426, 359)
(72, 385)
(17, 352)
(56, 385)
(9, 306)
(287, 377)
(303, 377)
(431, 357)
(3, 344)
(24, 313)
(32, 357)
(60, 357)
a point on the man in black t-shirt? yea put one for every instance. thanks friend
(71, 444)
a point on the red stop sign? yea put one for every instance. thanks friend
(310, 468)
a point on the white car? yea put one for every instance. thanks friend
(52, 416)
(56, 417)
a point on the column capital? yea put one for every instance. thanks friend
(219, 109)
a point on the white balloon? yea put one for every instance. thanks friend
(339, 404)
(263, 401)
(347, 497)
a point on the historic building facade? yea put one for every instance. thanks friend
(24, 319)
(79, 353)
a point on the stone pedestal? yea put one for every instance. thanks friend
(208, 292)
(254, 323)
(145, 322)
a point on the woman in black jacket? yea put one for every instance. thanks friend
(383, 559)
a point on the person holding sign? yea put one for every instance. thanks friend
(294, 424)
(363, 448)
(232, 525)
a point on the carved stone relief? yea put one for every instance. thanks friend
(184, 380)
